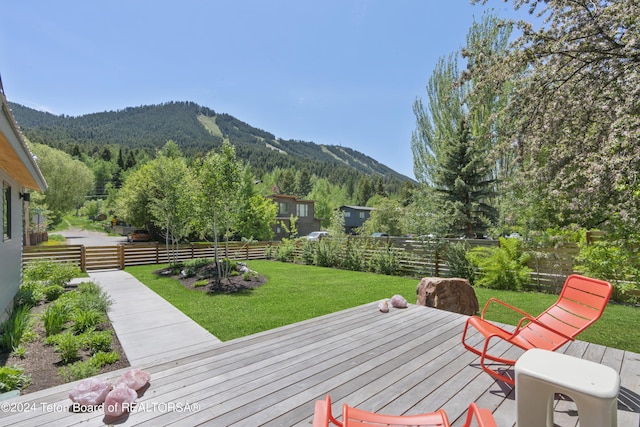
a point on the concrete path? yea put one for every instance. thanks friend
(149, 328)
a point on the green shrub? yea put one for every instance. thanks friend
(55, 317)
(614, 262)
(200, 283)
(68, 345)
(328, 253)
(52, 292)
(29, 294)
(14, 327)
(191, 266)
(97, 341)
(86, 319)
(13, 378)
(20, 351)
(503, 267)
(102, 358)
(385, 261)
(285, 251)
(308, 252)
(90, 296)
(249, 275)
(354, 255)
(460, 263)
(77, 371)
(50, 272)
(229, 265)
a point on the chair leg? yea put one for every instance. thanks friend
(484, 417)
(485, 348)
(492, 372)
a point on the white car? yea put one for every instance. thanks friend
(316, 235)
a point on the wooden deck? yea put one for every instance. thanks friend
(405, 361)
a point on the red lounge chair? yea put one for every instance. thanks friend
(357, 417)
(581, 302)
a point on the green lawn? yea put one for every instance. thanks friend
(297, 292)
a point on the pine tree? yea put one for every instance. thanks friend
(462, 184)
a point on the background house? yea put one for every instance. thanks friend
(302, 209)
(18, 174)
(354, 217)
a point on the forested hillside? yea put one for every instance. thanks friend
(196, 130)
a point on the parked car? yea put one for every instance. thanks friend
(316, 235)
(379, 234)
(139, 235)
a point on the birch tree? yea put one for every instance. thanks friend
(220, 180)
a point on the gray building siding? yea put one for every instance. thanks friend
(10, 247)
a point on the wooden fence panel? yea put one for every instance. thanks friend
(416, 258)
(57, 253)
(102, 258)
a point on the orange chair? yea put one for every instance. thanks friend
(357, 417)
(581, 302)
(322, 414)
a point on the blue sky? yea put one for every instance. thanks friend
(343, 72)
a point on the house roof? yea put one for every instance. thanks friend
(288, 196)
(16, 159)
(357, 208)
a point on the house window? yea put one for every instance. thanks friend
(362, 216)
(302, 210)
(6, 211)
(283, 208)
(347, 214)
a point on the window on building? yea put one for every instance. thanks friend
(283, 208)
(302, 209)
(347, 214)
(6, 211)
(362, 215)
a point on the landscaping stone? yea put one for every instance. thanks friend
(90, 392)
(398, 301)
(119, 400)
(450, 294)
(134, 379)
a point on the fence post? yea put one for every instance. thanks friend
(436, 263)
(157, 253)
(83, 259)
(121, 260)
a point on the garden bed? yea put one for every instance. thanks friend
(58, 332)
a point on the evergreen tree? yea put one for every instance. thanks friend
(462, 186)
(287, 182)
(364, 191)
(303, 183)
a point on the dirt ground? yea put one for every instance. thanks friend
(41, 362)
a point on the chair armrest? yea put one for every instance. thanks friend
(483, 416)
(509, 306)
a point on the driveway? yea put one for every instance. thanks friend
(76, 236)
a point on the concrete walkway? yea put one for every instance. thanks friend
(149, 328)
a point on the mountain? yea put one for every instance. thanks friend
(196, 130)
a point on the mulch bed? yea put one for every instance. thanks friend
(232, 284)
(41, 362)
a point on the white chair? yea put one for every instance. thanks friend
(540, 374)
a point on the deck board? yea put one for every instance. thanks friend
(402, 362)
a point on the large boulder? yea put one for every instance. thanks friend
(450, 294)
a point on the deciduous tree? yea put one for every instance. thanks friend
(575, 110)
(69, 180)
